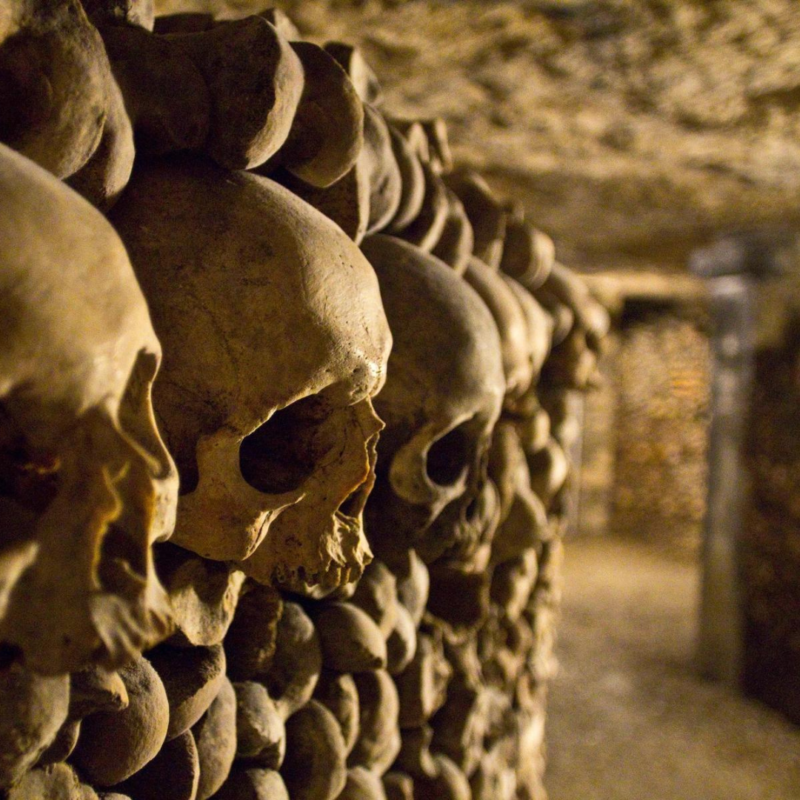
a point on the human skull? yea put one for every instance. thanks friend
(442, 397)
(275, 341)
(86, 484)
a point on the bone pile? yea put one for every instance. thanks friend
(225, 266)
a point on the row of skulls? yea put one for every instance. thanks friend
(335, 574)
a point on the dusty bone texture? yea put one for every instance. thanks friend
(63, 745)
(401, 644)
(412, 179)
(379, 737)
(253, 784)
(33, 709)
(339, 694)
(54, 83)
(428, 225)
(376, 595)
(362, 785)
(95, 689)
(528, 253)
(367, 197)
(398, 786)
(174, 774)
(315, 755)
(252, 108)
(260, 730)
(253, 635)
(457, 239)
(58, 781)
(484, 211)
(239, 114)
(134, 12)
(116, 744)
(364, 80)
(297, 663)
(192, 678)
(76, 415)
(203, 595)
(147, 69)
(327, 132)
(103, 177)
(511, 323)
(351, 641)
(259, 484)
(216, 740)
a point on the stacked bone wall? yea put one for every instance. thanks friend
(662, 385)
(364, 380)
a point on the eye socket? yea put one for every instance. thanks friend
(28, 477)
(449, 456)
(284, 452)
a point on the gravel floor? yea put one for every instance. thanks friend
(629, 720)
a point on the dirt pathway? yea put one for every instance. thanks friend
(629, 720)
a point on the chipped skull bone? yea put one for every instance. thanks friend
(86, 484)
(275, 341)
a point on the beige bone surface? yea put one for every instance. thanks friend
(379, 737)
(314, 768)
(327, 130)
(32, 709)
(255, 82)
(215, 737)
(54, 77)
(338, 693)
(58, 781)
(367, 197)
(116, 744)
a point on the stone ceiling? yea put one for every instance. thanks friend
(631, 130)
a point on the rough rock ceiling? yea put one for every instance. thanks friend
(630, 130)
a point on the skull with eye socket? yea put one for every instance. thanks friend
(442, 397)
(275, 341)
(86, 484)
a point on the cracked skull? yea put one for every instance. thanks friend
(86, 484)
(442, 397)
(275, 341)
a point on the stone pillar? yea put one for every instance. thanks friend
(721, 621)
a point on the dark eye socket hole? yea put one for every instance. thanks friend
(28, 476)
(449, 456)
(282, 454)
